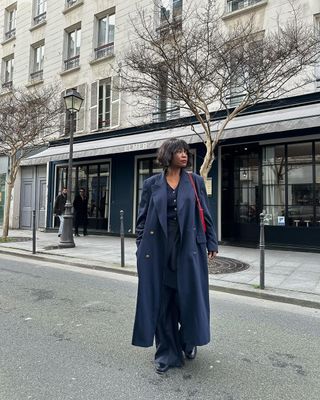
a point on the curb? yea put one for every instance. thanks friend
(241, 291)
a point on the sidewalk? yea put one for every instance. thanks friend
(292, 277)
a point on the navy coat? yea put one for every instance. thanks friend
(192, 268)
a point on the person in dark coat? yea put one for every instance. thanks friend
(172, 261)
(80, 205)
(59, 208)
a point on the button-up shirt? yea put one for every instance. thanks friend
(172, 203)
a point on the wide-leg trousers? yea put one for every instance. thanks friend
(169, 331)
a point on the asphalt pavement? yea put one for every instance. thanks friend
(66, 335)
(292, 277)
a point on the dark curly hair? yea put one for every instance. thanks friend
(169, 148)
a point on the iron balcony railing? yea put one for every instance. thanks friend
(7, 85)
(234, 5)
(40, 18)
(72, 62)
(70, 3)
(104, 50)
(10, 34)
(36, 76)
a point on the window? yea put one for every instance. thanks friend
(8, 66)
(40, 11)
(291, 184)
(170, 10)
(166, 108)
(37, 60)
(105, 104)
(105, 43)
(234, 5)
(73, 49)
(108, 103)
(10, 25)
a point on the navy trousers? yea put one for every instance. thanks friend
(169, 332)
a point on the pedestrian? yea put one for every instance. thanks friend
(59, 208)
(173, 246)
(80, 205)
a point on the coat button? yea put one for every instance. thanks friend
(151, 232)
(147, 255)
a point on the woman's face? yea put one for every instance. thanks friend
(179, 159)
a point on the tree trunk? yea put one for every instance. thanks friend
(5, 227)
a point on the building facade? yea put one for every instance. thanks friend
(268, 158)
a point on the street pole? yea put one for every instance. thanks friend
(73, 102)
(262, 247)
(122, 237)
(66, 239)
(33, 231)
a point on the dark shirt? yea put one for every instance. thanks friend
(172, 203)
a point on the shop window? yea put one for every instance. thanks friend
(95, 179)
(290, 189)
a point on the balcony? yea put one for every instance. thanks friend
(70, 3)
(72, 62)
(10, 34)
(36, 76)
(7, 85)
(235, 5)
(39, 18)
(104, 51)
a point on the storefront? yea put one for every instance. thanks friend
(283, 179)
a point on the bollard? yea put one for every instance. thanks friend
(122, 237)
(262, 246)
(33, 231)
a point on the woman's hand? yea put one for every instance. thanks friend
(212, 254)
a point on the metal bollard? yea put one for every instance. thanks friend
(262, 247)
(122, 237)
(33, 231)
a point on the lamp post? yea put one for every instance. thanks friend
(73, 102)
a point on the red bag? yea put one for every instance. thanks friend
(201, 213)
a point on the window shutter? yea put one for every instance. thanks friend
(94, 106)
(115, 107)
(62, 118)
(82, 112)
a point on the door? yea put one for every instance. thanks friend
(27, 191)
(41, 204)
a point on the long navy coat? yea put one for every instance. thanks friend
(192, 268)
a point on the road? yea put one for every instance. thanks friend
(65, 334)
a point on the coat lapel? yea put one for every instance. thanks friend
(159, 194)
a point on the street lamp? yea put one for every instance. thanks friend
(73, 102)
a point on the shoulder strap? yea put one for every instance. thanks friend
(195, 190)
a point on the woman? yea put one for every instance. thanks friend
(80, 205)
(173, 295)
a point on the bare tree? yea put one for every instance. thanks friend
(197, 60)
(27, 119)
